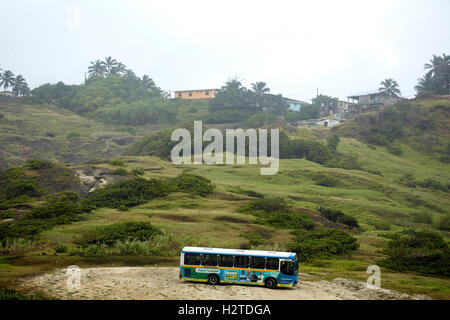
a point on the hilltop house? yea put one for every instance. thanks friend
(373, 99)
(295, 105)
(7, 93)
(200, 94)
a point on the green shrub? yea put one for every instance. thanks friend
(327, 182)
(120, 172)
(138, 171)
(286, 220)
(128, 193)
(117, 162)
(380, 225)
(120, 231)
(123, 208)
(38, 164)
(322, 242)
(25, 187)
(66, 195)
(56, 208)
(72, 134)
(277, 212)
(444, 223)
(60, 248)
(193, 184)
(338, 216)
(267, 205)
(394, 149)
(333, 141)
(418, 250)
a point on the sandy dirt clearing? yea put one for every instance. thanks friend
(163, 283)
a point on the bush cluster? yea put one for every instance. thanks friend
(25, 187)
(322, 242)
(121, 231)
(418, 250)
(194, 184)
(278, 213)
(338, 216)
(128, 193)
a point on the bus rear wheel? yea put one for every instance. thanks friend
(213, 279)
(271, 283)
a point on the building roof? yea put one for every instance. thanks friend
(274, 254)
(297, 101)
(196, 90)
(366, 93)
(372, 92)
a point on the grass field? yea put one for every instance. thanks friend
(214, 220)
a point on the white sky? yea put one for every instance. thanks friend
(341, 47)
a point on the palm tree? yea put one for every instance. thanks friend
(259, 88)
(110, 63)
(19, 85)
(119, 68)
(97, 69)
(129, 74)
(390, 87)
(7, 79)
(439, 70)
(148, 82)
(434, 65)
(426, 84)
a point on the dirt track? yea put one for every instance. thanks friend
(163, 283)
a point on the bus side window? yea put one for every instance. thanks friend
(209, 260)
(241, 262)
(258, 263)
(225, 261)
(272, 263)
(192, 259)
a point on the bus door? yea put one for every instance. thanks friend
(287, 267)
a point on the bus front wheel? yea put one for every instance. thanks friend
(271, 283)
(213, 279)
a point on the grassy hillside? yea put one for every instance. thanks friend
(34, 131)
(380, 198)
(215, 220)
(423, 124)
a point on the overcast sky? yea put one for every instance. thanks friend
(339, 47)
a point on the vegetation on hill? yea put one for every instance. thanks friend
(17, 83)
(422, 124)
(436, 80)
(418, 250)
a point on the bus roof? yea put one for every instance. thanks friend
(274, 254)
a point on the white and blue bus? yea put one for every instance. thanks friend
(214, 265)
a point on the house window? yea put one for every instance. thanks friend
(179, 95)
(207, 93)
(190, 94)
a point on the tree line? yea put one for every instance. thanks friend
(437, 78)
(17, 83)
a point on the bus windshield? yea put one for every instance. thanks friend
(287, 267)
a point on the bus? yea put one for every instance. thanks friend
(215, 265)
